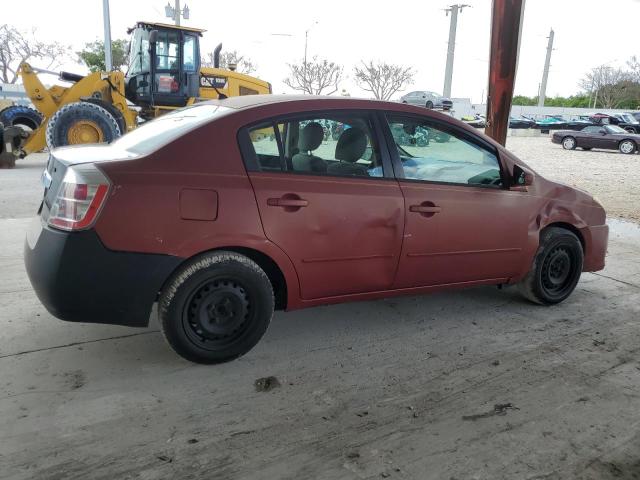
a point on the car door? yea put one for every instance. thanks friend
(462, 224)
(333, 207)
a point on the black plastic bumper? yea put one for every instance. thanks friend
(79, 280)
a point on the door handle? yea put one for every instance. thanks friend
(287, 202)
(426, 209)
(290, 202)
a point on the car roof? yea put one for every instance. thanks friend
(248, 101)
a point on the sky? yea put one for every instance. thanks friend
(413, 33)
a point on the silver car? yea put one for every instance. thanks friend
(427, 99)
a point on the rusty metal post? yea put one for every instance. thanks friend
(503, 61)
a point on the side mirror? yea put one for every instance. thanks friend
(522, 179)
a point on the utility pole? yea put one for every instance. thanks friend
(108, 63)
(545, 73)
(176, 12)
(306, 39)
(448, 74)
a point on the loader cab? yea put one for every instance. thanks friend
(164, 65)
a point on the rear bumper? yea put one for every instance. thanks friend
(555, 139)
(597, 239)
(79, 280)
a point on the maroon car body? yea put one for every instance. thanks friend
(319, 237)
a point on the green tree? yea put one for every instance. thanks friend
(93, 55)
(524, 101)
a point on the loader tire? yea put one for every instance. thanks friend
(81, 122)
(20, 116)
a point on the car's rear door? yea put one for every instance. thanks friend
(340, 224)
(461, 225)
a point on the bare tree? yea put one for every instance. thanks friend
(243, 64)
(607, 84)
(17, 47)
(383, 79)
(317, 77)
(634, 69)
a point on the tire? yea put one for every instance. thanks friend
(587, 148)
(216, 307)
(630, 130)
(19, 115)
(81, 122)
(627, 147)
(556, 267)
(569, 143)
(429, 105)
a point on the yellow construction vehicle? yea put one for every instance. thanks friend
(164, 73)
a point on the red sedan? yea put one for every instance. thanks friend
(226, 210)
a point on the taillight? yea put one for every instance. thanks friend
(81, 195)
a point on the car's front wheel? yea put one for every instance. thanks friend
(569, 143)
(216, 307)
(556, 267)
(429, 105)
(627, 147)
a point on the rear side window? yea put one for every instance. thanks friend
(329, 144)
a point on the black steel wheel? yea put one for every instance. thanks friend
(216, 307)
(556, 267)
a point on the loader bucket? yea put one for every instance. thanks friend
(11, 141)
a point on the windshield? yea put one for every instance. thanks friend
(615, 129)
(628, 118)
(139, 53)
(163, 130)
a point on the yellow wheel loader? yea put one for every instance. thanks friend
(164, 73)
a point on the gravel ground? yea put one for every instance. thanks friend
(610, 176)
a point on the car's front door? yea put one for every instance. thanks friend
(461, 225)
(329, 206)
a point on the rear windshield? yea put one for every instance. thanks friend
(163, 130)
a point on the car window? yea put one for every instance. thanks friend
(614, 129)
(334, 145)
(591, 129)
(431, 154)
(265, 146)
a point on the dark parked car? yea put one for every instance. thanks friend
(623, 120)
(203, 213)
(427, 99)
(521, 122)
(610, 137)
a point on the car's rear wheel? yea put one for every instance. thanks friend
(627, 146)
(569, 143)
(216, 307)
(556, 267)
(429, 105)
(630, 130)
